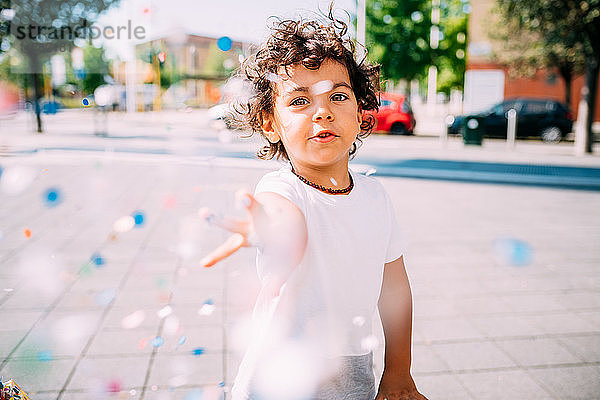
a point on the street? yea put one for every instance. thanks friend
(102, 295)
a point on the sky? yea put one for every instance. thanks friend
(244, 20)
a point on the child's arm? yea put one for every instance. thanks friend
(278, 225)
(395, 309)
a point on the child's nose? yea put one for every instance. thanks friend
(323, 112)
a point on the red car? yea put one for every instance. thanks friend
(395, 115)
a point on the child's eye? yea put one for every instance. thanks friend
(300, 101)
(339, 97)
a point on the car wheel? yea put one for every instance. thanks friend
(398, 128)
(551, 134)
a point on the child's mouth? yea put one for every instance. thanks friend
(324, 137)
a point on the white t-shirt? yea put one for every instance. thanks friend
(333, 293)
(329, 300)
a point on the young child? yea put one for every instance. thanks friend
(329, 248)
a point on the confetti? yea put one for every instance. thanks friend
(321, 87)
(369, 343)
(171, 325)
(513, 252)
(154, 388)
(157, 341)
(113, 386)
(198, 351)
(106, 297)
(142, 343)
(124, 224)
(181, 340)
(224, 43)
(207, 308)
(97, 260)
(370, 172)
(15, 180)
(133, 320)
(8, 289)
(138, 218)
(85, 101)
(333, 181)
(132, 392)
(27, 233)
(358, 320)
(273, 77)
(45, 355)
(163, 312)
(52, 197)
(170, 201)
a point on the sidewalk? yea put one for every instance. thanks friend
(505, 279)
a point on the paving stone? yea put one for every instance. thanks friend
(34, 375)
(97, 375)
(500, 385)
(444, 386)
(175, 370)
(587, 347)
(578, 382)
(472, 356)
(538, 351)
(447, 329)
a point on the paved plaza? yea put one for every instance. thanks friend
(505, 279)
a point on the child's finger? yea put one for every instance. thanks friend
(229, 247)
(235, 225)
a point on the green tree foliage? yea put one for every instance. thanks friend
(398, 37)
(39, 29)
(93, 58)
(566, 30)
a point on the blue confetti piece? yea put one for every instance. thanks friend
(85, 102)
(138, 217)
(514, 252)
(97, 259)
(209, 302)
(221, 384)
(181, 340)
(224, 43)
(105, 297)
(157, 341)
(45, 355)
(194, 394)
(52, 197)
(198, 351)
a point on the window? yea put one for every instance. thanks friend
(536, 107)
(386, 103)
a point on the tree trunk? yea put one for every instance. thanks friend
(591, 83)
(567, 76)
(36, 81)
(37, 94)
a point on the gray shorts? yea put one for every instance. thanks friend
(354, 381)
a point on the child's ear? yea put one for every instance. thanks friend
(269, 129)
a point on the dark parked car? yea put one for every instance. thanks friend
(547, 119)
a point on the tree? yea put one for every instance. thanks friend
(398, 38)
(524, 52)
(39, 29)
(93, 58)
(563, 27)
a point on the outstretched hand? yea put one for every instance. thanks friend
(244, 230)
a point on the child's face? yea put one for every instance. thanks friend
(313, 102)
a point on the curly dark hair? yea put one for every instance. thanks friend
(307, 43)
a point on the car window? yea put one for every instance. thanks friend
(386, 103)
(536, 107)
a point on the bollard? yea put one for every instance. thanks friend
(511, 128)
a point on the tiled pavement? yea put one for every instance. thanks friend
(483, 329)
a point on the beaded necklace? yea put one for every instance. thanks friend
(326, 189)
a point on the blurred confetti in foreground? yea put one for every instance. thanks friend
(133, 320)
(369, 343)
(370, 171)
(124, 224)
(224, 43)
(52, 197)
(157, 341)
(97, 260)
(138, 218)
(512, 252)
(14, 180)
(207, 308)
